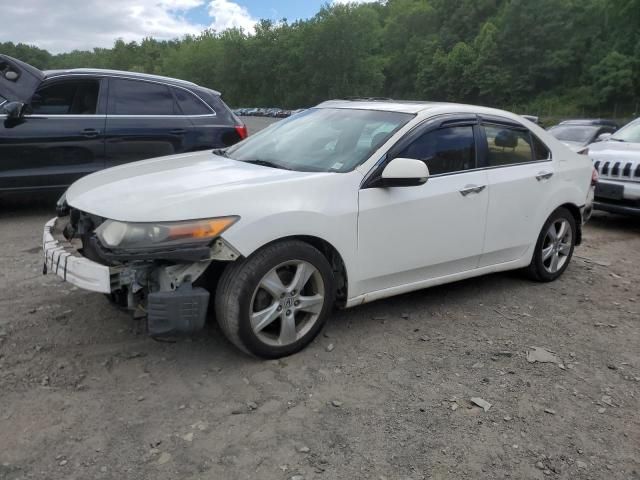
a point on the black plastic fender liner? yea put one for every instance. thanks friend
(179, 311)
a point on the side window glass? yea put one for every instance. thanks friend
(508, 146)
(445, 150)
(77, 97)
(189, 104)
(540, 150)
(133, 97)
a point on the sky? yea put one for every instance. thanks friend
(65, 25)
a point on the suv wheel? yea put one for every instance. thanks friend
(554, 247)
(275, 302)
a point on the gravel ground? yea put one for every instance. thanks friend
(384, 392)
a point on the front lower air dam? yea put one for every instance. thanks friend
(183, 310)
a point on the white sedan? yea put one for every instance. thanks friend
(342, 204)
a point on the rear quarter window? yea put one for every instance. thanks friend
(190, 104)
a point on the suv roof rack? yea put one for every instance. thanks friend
(367, 99)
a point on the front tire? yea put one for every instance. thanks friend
(554, 247)
(274, 303)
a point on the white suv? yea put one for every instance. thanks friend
(617, 161)
(342, 204)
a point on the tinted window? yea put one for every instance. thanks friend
(445, 150)
(132, 97)
(77, 97)
(507, 146)
(540, 150)
(190, 104)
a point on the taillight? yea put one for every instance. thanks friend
(242, 131)
(594, 177)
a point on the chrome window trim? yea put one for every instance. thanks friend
(135, 79)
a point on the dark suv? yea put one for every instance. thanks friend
(59, 125)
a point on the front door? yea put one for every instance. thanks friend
(410, 234)
(58, 140)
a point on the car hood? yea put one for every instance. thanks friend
(614, 151)
(18, 80)
(184, 187)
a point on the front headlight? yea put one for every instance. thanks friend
(136, 236)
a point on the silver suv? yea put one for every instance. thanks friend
(617, 161)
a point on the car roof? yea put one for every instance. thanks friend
(418, 107)
(121, 73)
(590, 121)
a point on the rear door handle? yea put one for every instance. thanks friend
(544, 176)
(90, 132)
(472, 189)
(178, 131)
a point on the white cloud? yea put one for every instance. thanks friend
(226, 14)
(65, 25)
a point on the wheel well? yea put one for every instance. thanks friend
(575, 211)
(335, 260)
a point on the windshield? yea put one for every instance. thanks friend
(320, 139)
(628, 133)
(574, 133)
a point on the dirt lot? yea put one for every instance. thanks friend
(383, 393)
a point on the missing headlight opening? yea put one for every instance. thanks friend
(156, 281)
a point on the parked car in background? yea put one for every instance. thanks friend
(350, 202)
(617, 161)
(592, 121)
(578, 134)
(57, 126)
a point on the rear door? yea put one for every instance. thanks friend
(521, 177)
(143, 121)
(59, 139)
(18, 80)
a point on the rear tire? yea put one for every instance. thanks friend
(274, 303)
(554, 247)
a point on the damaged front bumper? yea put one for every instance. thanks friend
(163, 291)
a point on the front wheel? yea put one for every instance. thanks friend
(275, 302)
(554, 248)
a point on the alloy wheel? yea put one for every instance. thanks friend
(556, 246)
(287, 303)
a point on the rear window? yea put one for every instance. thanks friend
(224, 113)
(133, 97)
(190, 104)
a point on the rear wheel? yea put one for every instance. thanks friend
(275, 302)
(554, 248)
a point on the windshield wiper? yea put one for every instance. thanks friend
(267, 163)
(617, 139)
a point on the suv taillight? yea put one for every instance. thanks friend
(594, 177)
(242, 131)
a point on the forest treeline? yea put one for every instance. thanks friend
(542, 56)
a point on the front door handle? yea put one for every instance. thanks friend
(472, 189)
(178, 131)
(544, 176)
(90, 132)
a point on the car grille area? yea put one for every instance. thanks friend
(618, 170)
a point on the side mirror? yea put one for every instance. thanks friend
(14, 109)
(603, 136)
(404, 172)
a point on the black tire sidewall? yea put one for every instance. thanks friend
(295, 251)
(540, 271)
